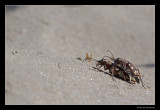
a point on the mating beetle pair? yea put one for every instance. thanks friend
(119, 67)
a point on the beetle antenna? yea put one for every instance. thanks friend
(110, 53)
(110, 58)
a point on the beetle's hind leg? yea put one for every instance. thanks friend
(143, 84)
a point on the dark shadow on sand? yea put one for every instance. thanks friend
(149, 65)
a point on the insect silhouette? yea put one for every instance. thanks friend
(121, 68)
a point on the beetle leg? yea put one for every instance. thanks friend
(99, 66)
(143, 84)
(124, 65)
(122, 75)
(113, 73)
(124, 78)
(105, 67)
(130, 79)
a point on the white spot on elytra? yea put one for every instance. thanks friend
(117, 69)
(135, 72)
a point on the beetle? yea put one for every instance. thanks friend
(114, 69)
(121, 68)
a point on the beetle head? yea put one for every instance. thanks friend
(100, 62)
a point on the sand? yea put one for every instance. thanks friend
(43, 42)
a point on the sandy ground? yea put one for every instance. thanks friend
(43, 42)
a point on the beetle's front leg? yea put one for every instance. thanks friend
(98, 66)
(130, 79)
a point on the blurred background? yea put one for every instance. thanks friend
(127, 31)
(74, 30)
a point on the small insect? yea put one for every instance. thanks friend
(121, 68)
(87, 58)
